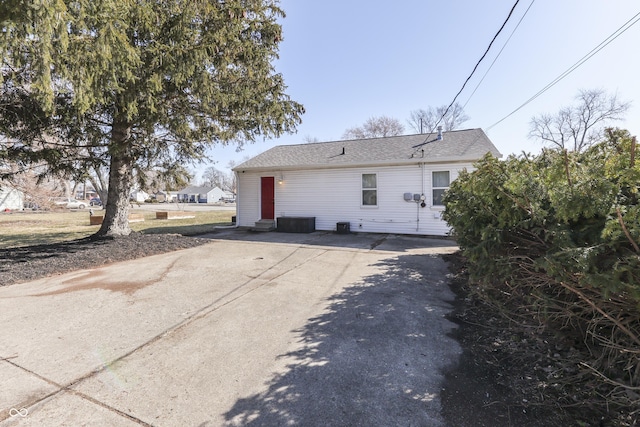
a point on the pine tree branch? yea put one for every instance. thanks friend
(602, 312)
(626, 231)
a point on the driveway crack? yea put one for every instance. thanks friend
(61, 389)
(378, 242)
(204, 311)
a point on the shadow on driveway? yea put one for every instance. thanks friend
(379, 241)
(374, 358)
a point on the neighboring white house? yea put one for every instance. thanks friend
(195, 194)
(381, 185)
(164, 196)
(139, 196)
(11, 198)
(229, 196)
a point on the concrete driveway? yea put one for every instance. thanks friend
(251, 329)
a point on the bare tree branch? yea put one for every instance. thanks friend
(425, 121)
(375, 127)
(581, 125)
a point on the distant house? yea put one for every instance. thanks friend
(164, 196)
(195, 194)
(382, 185)
(229, 196)
(139, 196)
(11, 198)
(87, 192)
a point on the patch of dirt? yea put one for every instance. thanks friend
(512, 374)
(34, 262)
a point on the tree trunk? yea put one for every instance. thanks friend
(116, 215)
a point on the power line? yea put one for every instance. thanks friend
(499, 53)
(476, 66)
(617, 33)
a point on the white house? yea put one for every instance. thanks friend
(229, 196)
(195, 194)
(165, 196)
(11, 198)
(382, 185)
(139, 196)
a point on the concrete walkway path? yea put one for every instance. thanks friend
(251, 329)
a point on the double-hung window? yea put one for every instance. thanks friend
(369, 189)
(440, 184)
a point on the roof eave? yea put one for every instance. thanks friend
(413, 161)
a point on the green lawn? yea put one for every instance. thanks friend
(34, 228)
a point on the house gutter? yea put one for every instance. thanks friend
(355, 165)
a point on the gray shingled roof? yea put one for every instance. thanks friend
(194, 189)
(458, 145)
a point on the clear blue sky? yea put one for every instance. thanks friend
(349, 60)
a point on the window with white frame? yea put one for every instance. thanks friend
(369, 189)
(439, 184)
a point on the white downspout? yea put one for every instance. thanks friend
(422, 166)
(418, 203)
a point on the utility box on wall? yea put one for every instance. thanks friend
(296, 224)
(343, 228)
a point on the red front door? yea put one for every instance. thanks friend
(267, 190)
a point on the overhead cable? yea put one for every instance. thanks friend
(476, 66)
(571, 69)
(499, 53)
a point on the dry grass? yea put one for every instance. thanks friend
(19, 229)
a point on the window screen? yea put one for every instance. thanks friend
(440, 184)
(369, 189)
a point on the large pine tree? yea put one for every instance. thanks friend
(137, 84)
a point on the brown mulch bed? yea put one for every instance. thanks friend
(33, 262)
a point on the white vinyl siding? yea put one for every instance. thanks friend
(11, 199)
(335, 195)
(248, 199)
